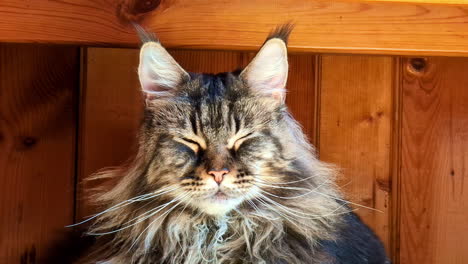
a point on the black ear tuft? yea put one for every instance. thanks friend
(144, 35)
(282, 32)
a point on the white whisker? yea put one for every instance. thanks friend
(152, 222)
(289, 210)
(258, 213)
(319, 193)
(297, 196)
(285, 183)
(127, 202)
(139, 221)
(183, 209)
(312, 216)
(286, 217)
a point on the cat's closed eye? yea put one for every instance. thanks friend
(235, 142)
(192, 143)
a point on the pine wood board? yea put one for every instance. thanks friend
(434, 158)
(355, 131)
(339, 26)
(38, 104)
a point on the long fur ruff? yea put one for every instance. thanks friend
(253, 233)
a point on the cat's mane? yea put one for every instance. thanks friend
(190, 237)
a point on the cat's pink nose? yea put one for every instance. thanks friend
(218, 175)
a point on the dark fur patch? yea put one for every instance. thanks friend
(355, 244)
(282, 32)
(71, 246)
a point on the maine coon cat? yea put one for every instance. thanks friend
(224, 174)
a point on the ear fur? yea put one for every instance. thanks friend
(159, 73)
(267, 73)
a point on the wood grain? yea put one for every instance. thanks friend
(394, 248)
(110, 113)
(355, 131)
(111, 102)
(321, 26)
(38, 87)
(426, 1)
(434, 158)
(301, 92)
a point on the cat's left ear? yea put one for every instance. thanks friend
(268, 71)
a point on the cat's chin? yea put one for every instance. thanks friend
(218, 205)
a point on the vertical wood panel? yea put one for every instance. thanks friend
(110, 112)
(301, 92)
(434, 159)
(37, 147)
(111, 105)
(395, 174)
(355, 131)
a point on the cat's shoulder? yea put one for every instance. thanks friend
(355, 243)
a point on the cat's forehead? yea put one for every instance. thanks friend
(216, 98)
(215, 87)
(214, 104)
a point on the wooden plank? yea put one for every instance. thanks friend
(434, 219)
(111, 102)
(395, 164)
(301, 92)
(110, 113)
(426, 1)
(322, 26)
(355, 131)
(38, 88)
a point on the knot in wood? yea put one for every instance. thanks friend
(418, 64)
(143, 6)
(28, 142)
(132, 10)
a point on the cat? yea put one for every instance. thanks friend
(224, 174)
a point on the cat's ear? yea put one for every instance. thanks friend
(159, 73)
(268, 71)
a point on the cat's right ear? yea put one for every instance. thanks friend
(267, 73)
(159, 73)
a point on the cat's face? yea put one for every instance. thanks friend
(212, 139)
(215, 147)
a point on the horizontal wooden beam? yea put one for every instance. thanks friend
(426, 1)
(340, 26)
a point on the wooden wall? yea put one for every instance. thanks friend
(433, 196)
(38, 103)
(396, 126)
